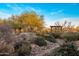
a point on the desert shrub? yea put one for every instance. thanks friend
(65, 50)
(41, 34)
(6, 33)
(47, 36)
(6, 40)
(40, 41)
(23, 49)
(70, 36)
(56, 34)
(50, 38)
(6, 49)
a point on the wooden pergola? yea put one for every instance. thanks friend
(56, 28)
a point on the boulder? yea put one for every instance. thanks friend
(28, 37)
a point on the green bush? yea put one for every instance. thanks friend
(23, 49)
(40, 41)
(70, 36)
(56, 34)
(65, 50)
(50, 38)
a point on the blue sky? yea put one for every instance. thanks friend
(52, 12)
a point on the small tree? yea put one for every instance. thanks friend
(28, 20)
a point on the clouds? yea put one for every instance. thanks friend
(22, 8)
(57, 12)
(11, 9)
(4, 14)
(73, 20)
(37, 10)
(14, 7)
(53, 17)
(52, 12)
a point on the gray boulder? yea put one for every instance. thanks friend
(28, 37)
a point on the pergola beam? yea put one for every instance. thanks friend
(56, 28)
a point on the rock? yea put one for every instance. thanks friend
(60, 41)
(28, 37)
(76, 44)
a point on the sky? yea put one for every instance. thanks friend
(52, 12)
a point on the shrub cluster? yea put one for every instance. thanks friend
(56, 34)
(40, 41)
(23, 49)
(65, 50)
(70, 36)
(50, 38)
(9, 45)
(6, 49)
